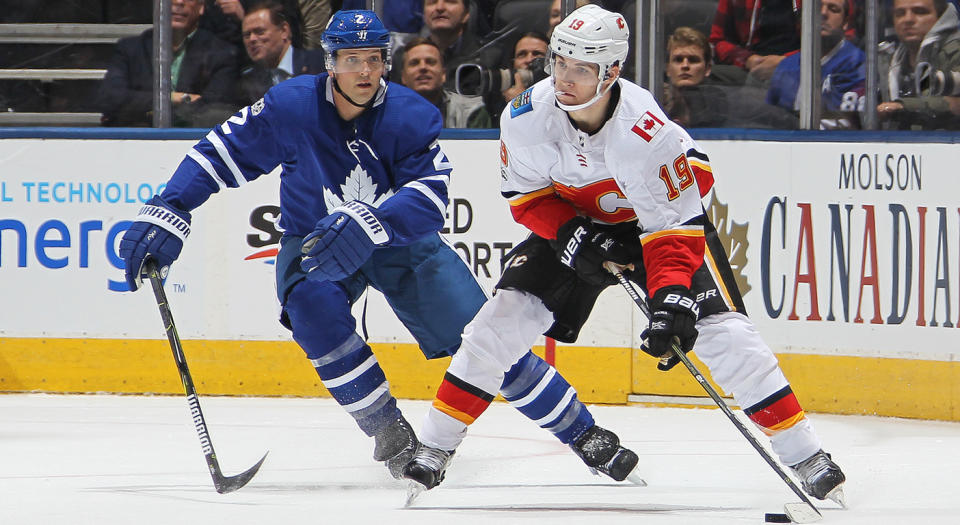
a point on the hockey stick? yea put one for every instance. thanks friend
(797, 512)
(223, 484)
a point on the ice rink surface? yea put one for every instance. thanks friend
(130, 459)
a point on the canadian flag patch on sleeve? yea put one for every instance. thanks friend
(647, 126)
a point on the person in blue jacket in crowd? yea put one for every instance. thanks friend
(843, 74)
(363, 195)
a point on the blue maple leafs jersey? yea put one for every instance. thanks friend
(843, 80)
(388, 157)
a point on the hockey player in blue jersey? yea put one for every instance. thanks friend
(363, 194)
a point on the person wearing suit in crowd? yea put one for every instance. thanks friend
(224, 18)
(203, 72)
(270, 49)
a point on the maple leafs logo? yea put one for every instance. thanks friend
(358, 187)
(733, 237)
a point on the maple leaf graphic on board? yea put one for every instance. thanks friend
(357, 187)
(733, 237)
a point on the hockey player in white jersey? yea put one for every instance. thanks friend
(332, 134)
(595, 169)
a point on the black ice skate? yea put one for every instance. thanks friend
(395, 446)
(821, 477)
(426, 470)
(600, 449)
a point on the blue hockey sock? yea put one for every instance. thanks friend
(539, 392)
(354, 378)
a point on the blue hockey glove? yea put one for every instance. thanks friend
(157, 233)
(583, 248)
(342, 242)
(673, 313)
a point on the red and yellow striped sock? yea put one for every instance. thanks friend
(461, 400)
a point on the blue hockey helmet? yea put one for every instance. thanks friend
(353, 29)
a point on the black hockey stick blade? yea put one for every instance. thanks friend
(223, 484)
(792, 508)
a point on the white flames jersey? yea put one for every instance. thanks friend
(639, 165)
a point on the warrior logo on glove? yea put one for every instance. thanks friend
(342, 242)
(157, 233)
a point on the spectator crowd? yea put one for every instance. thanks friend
(737, 64)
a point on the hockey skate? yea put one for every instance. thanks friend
(821, 477)
(426, 470)
(600, 449)
(395, 446)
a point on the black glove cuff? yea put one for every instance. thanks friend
(676, 298)
(569, 243)
(566, 229)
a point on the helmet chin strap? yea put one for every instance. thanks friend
(368, 105)
(586, 104)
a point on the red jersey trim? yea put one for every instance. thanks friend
(672, 256)
(544, 213)
(703, 174)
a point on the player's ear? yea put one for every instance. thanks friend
(612, 74)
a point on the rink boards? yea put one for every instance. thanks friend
(847, 253)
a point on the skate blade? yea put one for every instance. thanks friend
(802, 513)
(414, 489)
(837, 496)
(634, 477)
